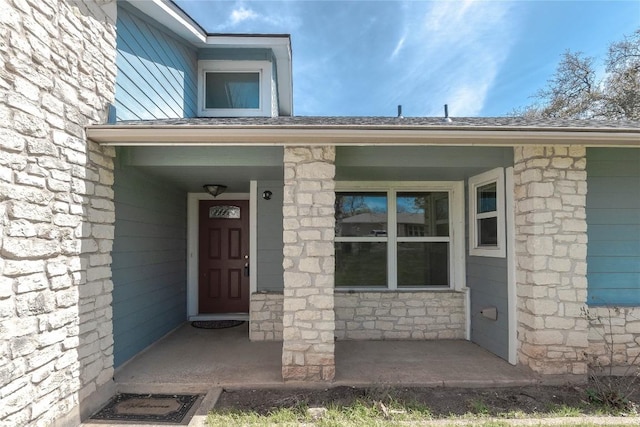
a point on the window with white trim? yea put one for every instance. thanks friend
(234, 88)
(486, 214)
(400, 237)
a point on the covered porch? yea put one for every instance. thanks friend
(197, 360)
(292, 186)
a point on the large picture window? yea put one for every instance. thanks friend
(396, 238)
(486, 214)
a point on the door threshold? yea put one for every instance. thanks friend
(221, 316)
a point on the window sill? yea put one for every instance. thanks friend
(400, 290)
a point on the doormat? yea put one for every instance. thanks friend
(161, 408)
(216, 324)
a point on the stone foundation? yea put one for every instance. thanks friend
(614, 338)
(551, 249)
(265, 318)
(400, 315)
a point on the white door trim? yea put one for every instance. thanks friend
(193, 200)
(512, 295)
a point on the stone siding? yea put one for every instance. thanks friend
(400, 315)
(309, 264)
(614, 337)
(57, 75)
(265, 318)
(551, 248)
(373, 316)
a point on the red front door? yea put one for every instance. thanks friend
(223, 285)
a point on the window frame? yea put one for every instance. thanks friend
(455, 189)
(263, 68)
(489, 177)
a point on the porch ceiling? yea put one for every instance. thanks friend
(192, 178)
(190, 168)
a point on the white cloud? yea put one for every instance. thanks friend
(242, 14)
(453, 52)
(258, 17)
(399, 47)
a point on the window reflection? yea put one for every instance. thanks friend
(361, 215)
(423, 214)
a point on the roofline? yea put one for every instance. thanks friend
(173, 17)
(177, 20)
(194, 135)
(287, 36)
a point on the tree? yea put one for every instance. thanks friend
(575, 91)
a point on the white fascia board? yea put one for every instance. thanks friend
(281, 47)
(173, 18)
(115, 135)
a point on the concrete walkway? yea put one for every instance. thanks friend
(205, 361)
(196, 360)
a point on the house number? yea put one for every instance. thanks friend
(224, 212)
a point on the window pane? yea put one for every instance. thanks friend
(487, 198)
(232, 90)
(423, 264)
(488, 231)
(361, 264)
(423, 214)
(361, 214)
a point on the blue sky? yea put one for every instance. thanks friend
(482, 57)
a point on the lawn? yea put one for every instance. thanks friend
(391, 406)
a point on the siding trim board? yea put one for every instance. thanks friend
(193, 134)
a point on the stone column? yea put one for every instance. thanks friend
(309, 264)
(551, 249)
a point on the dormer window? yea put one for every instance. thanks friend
(231, 90)
(234, 88)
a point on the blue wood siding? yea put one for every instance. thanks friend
(487, 279)
(157, 73)
(417, 163)
(613, 226)
(270, 246)
(149, 261)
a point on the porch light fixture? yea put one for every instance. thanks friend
(215, 189)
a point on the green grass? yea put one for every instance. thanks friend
(360, 413)
(478, 407)
(388, 413)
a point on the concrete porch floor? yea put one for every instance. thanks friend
(196, 360)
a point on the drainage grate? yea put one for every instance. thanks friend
(161, 408)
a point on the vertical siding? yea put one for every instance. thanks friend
(156, 72)
(270, 246)
(149, 261)
(613, 226)
(487, 278)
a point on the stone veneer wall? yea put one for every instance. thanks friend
(551, 248)
(400, 315)
(614, 337)
(309, 264)
(373, 316)
(57, 75)
(265, 317)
